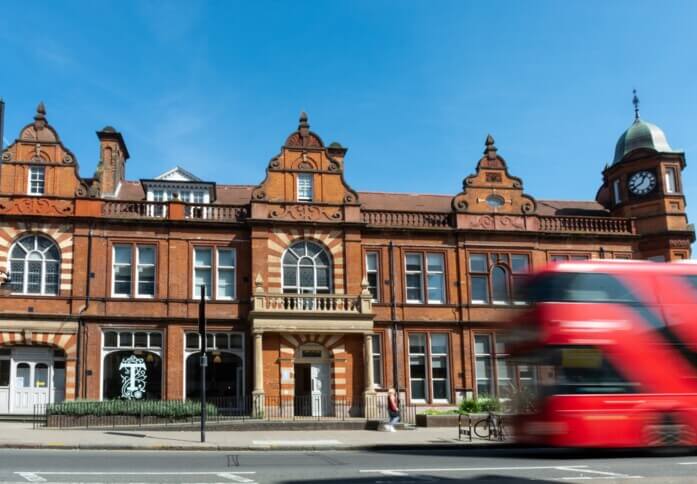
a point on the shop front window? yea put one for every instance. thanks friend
(132, 365)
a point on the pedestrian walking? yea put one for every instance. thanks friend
(392, 410)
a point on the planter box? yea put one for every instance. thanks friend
(423, 420)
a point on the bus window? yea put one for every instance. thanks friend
(578, 287)
(584, 370)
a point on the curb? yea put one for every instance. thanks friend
(271, 448)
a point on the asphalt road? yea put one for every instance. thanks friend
(339, 467)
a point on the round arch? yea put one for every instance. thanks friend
(306, 268)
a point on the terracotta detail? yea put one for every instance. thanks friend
(36, 206)
(306, 212)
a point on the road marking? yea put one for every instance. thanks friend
(35, 476)
(591, 471)
(465, 469)
(31, 476)
(687, 463)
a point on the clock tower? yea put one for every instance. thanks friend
(644, 182)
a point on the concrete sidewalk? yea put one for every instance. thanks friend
(23, 435)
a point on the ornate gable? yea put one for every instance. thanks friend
(304, 157)
(492, 189)
(38, 144)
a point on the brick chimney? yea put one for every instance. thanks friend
(113, 154)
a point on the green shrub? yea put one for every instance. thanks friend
(435, 411)
(175, 409)
(480, 405)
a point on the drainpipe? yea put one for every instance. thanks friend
(80, 319)
(393, 316)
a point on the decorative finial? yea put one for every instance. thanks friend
(303, 121)
(40, 116)
(635, 101)
(490, 150)
(40, 111)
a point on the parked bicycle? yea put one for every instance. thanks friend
(490, 428)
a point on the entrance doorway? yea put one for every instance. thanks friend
(312, 389)
(30, 376)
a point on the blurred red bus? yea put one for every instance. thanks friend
(615, 344)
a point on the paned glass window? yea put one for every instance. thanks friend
(373, 274)
(495, 277)
(203, 267)
(429, 375)
(146, 270)
(226, 273)
(306, 269)
(436, 278)
(496, 375)
(568, 257)
(36, 180)
(34, 266)
(616, 191)
(414, 274)
(377, 359)
(305, 187)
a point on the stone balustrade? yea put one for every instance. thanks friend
(313, 303)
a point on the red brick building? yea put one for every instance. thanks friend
(314, 288)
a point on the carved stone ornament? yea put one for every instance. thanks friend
(259, 194)
(507, 222)
(36, 206)
(460, 205)
(679, 243)
(309, 213)
(82, 190)
(483, 222)
(334, 166)
(68, 160)
(275, 164)
(133, 378)
(528, 208)
(7, 156)
(349, 198)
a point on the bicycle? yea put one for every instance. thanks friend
(490, 428)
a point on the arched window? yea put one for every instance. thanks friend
(306, 269)
(35, 266)
(499, 285)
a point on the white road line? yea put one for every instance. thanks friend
(687, 463)
(393, 473)
(234, 477)
(591, 471)
(96, 473)
(466, 469)
(292, 443)
(596, 478)
(31, 476)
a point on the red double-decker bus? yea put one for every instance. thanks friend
(615, 345)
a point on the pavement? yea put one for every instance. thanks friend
(22, 435)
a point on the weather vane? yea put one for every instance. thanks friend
(635, 101)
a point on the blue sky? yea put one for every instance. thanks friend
(412, 88)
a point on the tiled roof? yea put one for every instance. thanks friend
(413, 202)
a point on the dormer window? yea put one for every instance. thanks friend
(305, 187)
(36, 180)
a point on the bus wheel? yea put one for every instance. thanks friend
(667, 436)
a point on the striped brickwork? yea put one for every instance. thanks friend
(280, 240)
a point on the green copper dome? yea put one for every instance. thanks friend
(641, 135)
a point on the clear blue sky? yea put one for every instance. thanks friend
(412, 88)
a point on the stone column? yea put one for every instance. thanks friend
(258, 393)
(369, 393)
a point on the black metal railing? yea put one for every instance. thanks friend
(139, 413)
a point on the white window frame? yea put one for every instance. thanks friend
(616, 191)
(441, 277)
(376, 270)
(433, 356)
(426, 368)
(670, 180)
(220, 268)
(316, 259)
(376, 342)
(114, 264)
(139, 264)
(408, 272)
(196, 294)
(490, 379)
(36, 174)
(25, 262)
(105, 350)
(305, 187)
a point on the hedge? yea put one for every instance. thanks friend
(154, 408)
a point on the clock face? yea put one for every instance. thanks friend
(642, 182)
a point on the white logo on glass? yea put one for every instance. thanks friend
(133, 378)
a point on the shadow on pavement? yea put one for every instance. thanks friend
(421, 479)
